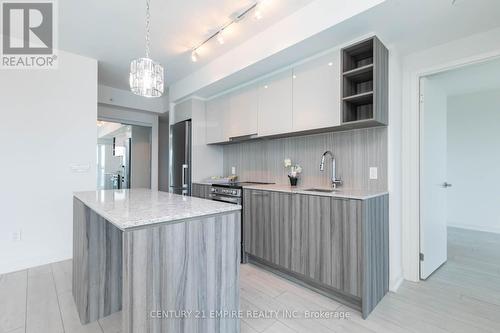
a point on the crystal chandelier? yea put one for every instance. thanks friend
(146, 75)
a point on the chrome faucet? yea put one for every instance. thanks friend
(335, 182)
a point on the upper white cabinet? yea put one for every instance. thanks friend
(243, 114)
(316, 93)
(275, 104)
(338, 90)
(217, 119)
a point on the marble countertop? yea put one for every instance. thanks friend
(142, 207)
(340, 193)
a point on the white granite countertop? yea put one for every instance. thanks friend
(339, 193)
(141, 207)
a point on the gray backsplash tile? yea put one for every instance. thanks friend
(355, 152)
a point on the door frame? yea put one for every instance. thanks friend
(411, 159)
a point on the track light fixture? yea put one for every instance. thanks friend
(255, 9)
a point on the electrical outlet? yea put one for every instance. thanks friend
(373, 173)
(233, 170)
(16, 236)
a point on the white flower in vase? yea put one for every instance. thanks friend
(295, 170)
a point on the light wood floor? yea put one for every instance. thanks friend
(463, 296)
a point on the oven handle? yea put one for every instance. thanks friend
(235, 201)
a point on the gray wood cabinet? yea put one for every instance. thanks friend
(365, 84)
(201, 191)
(335, 246)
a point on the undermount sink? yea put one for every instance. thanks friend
(321, 190)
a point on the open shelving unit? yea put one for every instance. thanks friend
(365, 83)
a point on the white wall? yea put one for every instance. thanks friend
(474, 161)
(140, 166)
(136, 117)
(394, 170)
(48, 125)
(451, 55)
(126, 99)
(163, 154)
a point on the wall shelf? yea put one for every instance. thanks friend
(365, 83)
(360, 99)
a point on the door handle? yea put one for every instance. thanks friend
(446, 185)
(184, 169)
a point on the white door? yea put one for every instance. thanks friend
(433, 186)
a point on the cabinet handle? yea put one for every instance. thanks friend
(243, 137)
(260, 193)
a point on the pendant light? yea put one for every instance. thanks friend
(146, 75)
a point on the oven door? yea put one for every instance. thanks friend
(226, 199)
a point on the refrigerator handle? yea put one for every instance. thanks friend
(184, 185)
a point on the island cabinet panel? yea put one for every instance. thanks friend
(97, 264)
(201, 191)
(201, 257)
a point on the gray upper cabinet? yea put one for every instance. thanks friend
(217, 113)
(316, 93)
(275, 104)
(365, 83)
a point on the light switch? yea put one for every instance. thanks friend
(233, 170)
(16, 236)
(373, 173)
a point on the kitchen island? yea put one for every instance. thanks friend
(170, 263)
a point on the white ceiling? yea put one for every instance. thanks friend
(112, 31)
(405, 25)
(482, 76)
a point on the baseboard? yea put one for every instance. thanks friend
(396, 283)
(495, 230)
(15, 266)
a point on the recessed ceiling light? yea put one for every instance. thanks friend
(330, 64)
(265, 87)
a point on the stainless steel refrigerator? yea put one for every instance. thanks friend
(181, 158)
